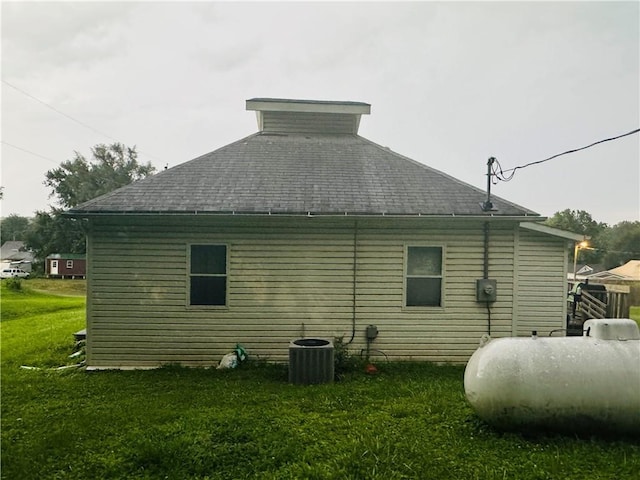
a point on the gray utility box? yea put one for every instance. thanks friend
(486, 290)
(311, 360)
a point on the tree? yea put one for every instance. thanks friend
(14, 227)
(77, 181)
(576, 221)
(581, 222)
(50, 233)
(623, 244)
(113, 166)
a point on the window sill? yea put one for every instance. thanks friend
(207, 307)
(424, 309)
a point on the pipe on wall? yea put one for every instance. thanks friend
(354, 281)
(485, 272)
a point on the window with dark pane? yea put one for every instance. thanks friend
(424, 277)
(208, 275)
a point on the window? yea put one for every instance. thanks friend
(69, 263)
(208, 275)
(424, 277)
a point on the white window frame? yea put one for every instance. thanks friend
(190, 275)
(69, 264)
(406, 276)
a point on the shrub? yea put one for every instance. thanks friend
(14, 284)
(344, 362)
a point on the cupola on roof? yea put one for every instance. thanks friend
(277, 115)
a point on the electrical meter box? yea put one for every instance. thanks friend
(486, 290)
(371, 332)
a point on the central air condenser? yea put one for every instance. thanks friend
(311, 361)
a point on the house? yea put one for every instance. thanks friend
(306, 229)
(584, 271)
(14, 253)
(65, 265)
(630, 272)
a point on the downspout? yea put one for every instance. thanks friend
(486, 271)
(486, 251)
(354, 282)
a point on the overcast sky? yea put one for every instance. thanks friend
(450, 84)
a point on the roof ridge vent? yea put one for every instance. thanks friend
(277, 115)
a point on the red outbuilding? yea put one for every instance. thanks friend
(66, 265)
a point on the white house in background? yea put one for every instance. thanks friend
(584, 271)
(305, 228)
(630, 271)
(13, 253)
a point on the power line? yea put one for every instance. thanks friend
(67, 116)
(500, 174)
(28, 151)
(58, 111)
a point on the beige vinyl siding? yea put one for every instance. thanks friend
(281, 284)
(288, 277)
(446, 334)
(541, 303)
(298, 122)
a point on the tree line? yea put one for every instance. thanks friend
(609, 246)
(74, 182)
(113, 166)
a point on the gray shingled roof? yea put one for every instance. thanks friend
(300, 174)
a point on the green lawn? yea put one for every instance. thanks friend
(411, 421)
(634, 313)
(58, 286)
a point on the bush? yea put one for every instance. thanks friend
(344, 362)
(14, 284)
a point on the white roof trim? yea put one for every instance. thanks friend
(607, 275)
(312, 106)
(556, 232)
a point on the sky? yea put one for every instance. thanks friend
(450, 84)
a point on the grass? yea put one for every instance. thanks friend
(37, 326)
(58, 286)
(409, 421)
(634, 314)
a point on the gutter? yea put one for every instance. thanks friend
(115, 213)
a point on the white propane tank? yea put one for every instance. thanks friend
(588, 383)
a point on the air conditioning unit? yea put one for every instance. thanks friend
(311, 361)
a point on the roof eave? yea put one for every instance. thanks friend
(487, 217)
(556, 232)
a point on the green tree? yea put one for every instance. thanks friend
(623, 244)
(13, 227)
(77, 181)
(581, 222)
(113, 166)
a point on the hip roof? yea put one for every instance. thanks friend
(279, 173)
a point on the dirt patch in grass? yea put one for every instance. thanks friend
(57, 286)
